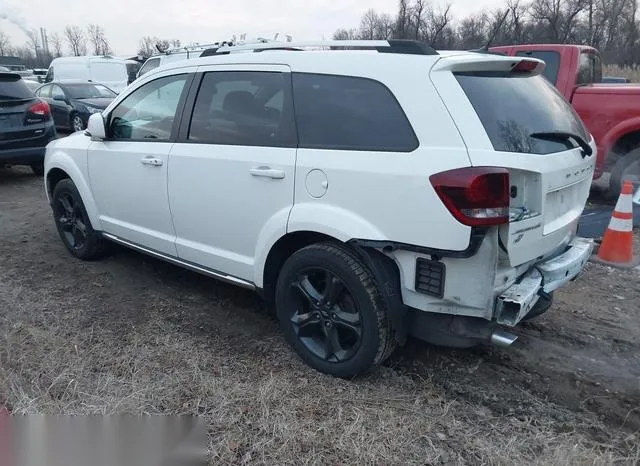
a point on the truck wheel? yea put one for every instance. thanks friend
(73, 225)
(331, 311)
(627, 168)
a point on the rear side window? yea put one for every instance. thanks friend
(348, 113)
(13, 88)
(589, 69)
(512, 108)
(551, 59)
(244, 108)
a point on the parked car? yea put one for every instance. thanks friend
(368, 195)
(610, 111)
(26, 126)
(109, 71)
(40, 73)
(73, 103)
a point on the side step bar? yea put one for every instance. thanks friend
(187, 265)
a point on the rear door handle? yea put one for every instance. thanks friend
(153, 161)
(267, 172)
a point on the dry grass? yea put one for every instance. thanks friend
(262, 404)
(132, 335)
(633, 73)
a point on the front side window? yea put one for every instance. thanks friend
(348, 113)
(244, 108)
(148, 112)
(551, 60)
(56, 91)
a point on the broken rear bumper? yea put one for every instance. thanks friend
(513, 304)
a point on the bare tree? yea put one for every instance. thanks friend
(76, 39)
(33, 41)
(98, 40)
(56, 44)
(5, 43)
(368, 25)
(403, 20)
(436, 22)
(345, 34)
(149, 45)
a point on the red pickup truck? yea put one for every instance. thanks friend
(611, 112)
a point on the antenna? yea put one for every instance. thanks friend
(485, 47)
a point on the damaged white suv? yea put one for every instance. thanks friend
(371, 193)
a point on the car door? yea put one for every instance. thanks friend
(231, 172)
(60, 108)
(128, 170)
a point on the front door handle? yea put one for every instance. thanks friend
(153, 161)
(267, 172)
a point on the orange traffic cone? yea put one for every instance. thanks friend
(617, 245)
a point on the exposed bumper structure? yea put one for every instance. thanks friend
(517, 300)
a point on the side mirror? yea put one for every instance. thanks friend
(95, 127)
(60, 97)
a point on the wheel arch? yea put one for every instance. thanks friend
(620, 140)
(59, 167)
(385, 271)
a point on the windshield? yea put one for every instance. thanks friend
(511, 109)
(89, 91)
(108, 71)
(13, 88)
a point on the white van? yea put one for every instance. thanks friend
(106, 70)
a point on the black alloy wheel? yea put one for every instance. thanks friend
(326, 320)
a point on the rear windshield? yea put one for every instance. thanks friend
(512, 108)
(13, 88)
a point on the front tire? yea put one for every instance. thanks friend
(72, 223)
(77, 123)
(331, 311)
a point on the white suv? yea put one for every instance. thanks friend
(370, 194)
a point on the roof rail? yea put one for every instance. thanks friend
(412, 47)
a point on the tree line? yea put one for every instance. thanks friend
(74, 41)
(611, 26)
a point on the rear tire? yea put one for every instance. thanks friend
(332, 312)
(73, 225)
(627, 167)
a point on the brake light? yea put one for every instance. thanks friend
(41, 108)
(525, 66)
(475, 196)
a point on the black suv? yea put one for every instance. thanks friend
(26, 126)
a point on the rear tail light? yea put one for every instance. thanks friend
(41, 108)
(475, 196)
(38, 113)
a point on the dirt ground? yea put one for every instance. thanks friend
(134, 335)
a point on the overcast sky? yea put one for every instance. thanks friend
(125, 21)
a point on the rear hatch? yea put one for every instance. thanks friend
(511, 117)
(22, 114)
